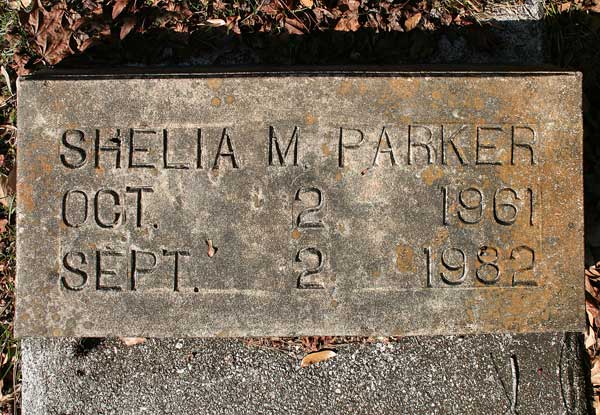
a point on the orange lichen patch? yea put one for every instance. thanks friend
(514, 305)
(215, 101)
(436, 95)
(296, 234)
(440, 236)
(345, 88)
(214, 83)
(404, 88)
(375, 273)
(431, 174)
(478, 103)
(309, 119)
(362, 88)
(325, 149)
(46, 167)
(338, 176)
(25, 192)
(404, 258)
(229, 99)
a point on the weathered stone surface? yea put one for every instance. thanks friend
(210, 220)
(485, 374)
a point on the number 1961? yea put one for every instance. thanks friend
(506, 205)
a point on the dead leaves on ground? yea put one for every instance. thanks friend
(411, 22)
(55, 33)
(592, 340)
(52, 30)
(58, 29)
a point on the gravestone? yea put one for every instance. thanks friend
(299, 203)
(508, 373)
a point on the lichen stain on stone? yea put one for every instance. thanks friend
(362, 88)
(25, 191)
(215, 102)
(345, 88)
(229, 99)
(405, 88)
(325, 149)
(338, 176)
(46, 167)
(404, 258)
(515, 307)
(431, 174)
(296, 234)
(440, 236)
(375, 273)
(214, 83)
(478, 103)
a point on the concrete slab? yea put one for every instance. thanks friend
(488, 374)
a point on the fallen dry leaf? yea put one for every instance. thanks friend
(590, 338)
(50, 36)
(349, 5)
(3, 223)
(307, 3)
(596, 379)
(25, 3)
(7, 187)
(412, 22)
(212, 250)
(316, 357)
(564, 7)
(215, 22)
(6, 79)
(293, 26)
(593, 271)
(118, 7)
(132, 341)
(348, 24)
(128, 25)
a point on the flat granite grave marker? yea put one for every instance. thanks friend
(299, 203)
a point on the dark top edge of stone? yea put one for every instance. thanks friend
(317, 71)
